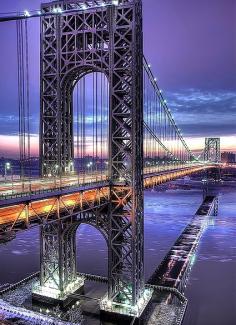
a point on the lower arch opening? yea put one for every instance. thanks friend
(91, 251)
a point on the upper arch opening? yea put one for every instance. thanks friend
(86, 103)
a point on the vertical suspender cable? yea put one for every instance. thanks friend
(144, 115)
(21, 98)
(94, 121)
(82, 162)
(96, 125)
(19, 88)
(23, 102)
(77, 130)
(28, 103)
(83, 123)
(101, 127)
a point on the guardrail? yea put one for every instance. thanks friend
(16, 284)
(56, 190)
(78, 186)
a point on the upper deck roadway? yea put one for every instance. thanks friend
(38, 199)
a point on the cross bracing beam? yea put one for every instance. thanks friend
(39, 211)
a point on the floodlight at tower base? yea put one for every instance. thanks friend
(124, 313)
(53, 296)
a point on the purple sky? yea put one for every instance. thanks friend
(192, 48)
(192, 43)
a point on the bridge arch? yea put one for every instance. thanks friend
(76, 73)
(85, 116)
(72, 229)
(70, 247)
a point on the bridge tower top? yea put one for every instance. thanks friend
(84, 4)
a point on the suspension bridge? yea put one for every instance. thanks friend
(106, 134)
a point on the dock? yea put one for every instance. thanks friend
(173, 270)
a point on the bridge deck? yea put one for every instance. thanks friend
(13, 188)
(30, 190)
(23, 209)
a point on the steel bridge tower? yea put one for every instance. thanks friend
(212, 154)
(212, 150)
(98, 36)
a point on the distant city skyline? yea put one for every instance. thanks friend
(192, 49)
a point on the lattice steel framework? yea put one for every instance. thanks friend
(58, 250)
(106, 39)
(212, 150)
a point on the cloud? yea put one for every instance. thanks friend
(198, 113)
(204, 113)
(10, 124)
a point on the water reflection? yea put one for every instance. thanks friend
(212, 280)
(212, 287)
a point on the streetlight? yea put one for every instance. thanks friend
(163, 165)
(106, 168)
(89, 165)
(71, 166)
(55, 174)
(7, 167)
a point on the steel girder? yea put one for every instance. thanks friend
(38, 211)
(107, 39)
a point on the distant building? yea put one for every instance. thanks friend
(228, 157)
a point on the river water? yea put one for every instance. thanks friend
(211, 289)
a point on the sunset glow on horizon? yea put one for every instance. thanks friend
(9, 145)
